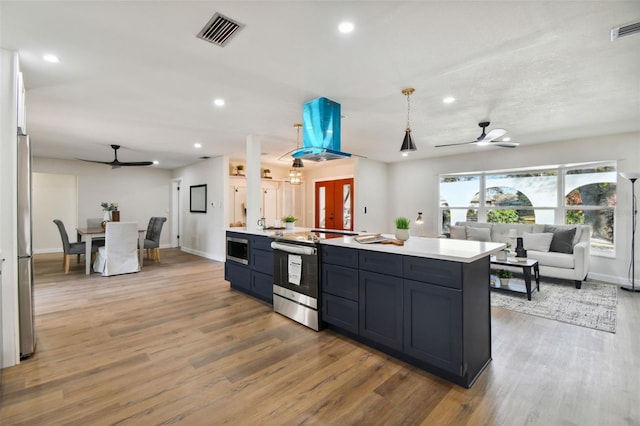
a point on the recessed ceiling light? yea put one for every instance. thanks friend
(449, 100)
(218, 102)
(507, 139)
(345, 27)
(156, 162)
(197, 145)
(51, 58)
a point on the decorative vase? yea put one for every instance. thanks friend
(288, 225)
(402, 234)
(501, 255)
(504, 282)
(115, 216)
(521, 253)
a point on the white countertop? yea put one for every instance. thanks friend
(434, 248)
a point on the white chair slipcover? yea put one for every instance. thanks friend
(120, 252)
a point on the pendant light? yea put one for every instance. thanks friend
(407, 142)
(295, 175)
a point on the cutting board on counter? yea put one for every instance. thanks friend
(377, 239)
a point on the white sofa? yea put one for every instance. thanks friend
(571, 262)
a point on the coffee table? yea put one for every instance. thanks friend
(527, 266)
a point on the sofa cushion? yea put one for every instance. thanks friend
(564, 238)
(556, 260)
(458, 232)
(478, 234)
(537, 242)
(555, 228)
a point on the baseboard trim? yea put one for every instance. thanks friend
(202, 254)
(606, 278)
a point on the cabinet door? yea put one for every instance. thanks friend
(380, 309)
(340, 312)
(340, 281)
(238, 275)
(262, 261)
(262, 286)
(433, 324)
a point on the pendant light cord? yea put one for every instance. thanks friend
(408, 110)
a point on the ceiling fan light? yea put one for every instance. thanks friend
(407, 142)
(483, 143)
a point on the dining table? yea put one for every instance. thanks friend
(88, 234)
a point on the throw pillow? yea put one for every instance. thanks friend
(537, 242)
(478, 234)
(562, 241)
(458, 232)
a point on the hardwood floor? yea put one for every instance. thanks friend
(173, 344)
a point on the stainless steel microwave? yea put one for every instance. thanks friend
(238, 250)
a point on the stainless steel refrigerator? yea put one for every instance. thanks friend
(25, 260)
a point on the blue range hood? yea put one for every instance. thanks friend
(321, 131)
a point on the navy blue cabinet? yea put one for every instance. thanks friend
(433, 325)
(339, 287)
(380, 309)
(256, 277)
(432, 313)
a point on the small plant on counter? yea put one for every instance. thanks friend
(289, 219)
(402, 223)
(503, 273)
(239, 169)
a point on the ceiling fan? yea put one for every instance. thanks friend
(116, 164)
(487, 138)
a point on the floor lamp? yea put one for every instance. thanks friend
(634, 211)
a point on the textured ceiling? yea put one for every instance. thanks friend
(134, 74)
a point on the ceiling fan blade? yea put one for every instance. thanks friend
(494, 134)
(95, 161)
(133, 163)
(454, 144)
(505, 144)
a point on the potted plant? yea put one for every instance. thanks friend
(239, 170)
(289, 221)
(265, 173)
(402, 228)
(504, 276)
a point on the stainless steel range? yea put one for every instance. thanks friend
(296, 287)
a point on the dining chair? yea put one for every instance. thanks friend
(69, 249)
(119, 255)
(152, 238)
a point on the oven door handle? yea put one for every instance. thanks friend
(295, 249)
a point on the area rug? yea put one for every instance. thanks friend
(593, 306)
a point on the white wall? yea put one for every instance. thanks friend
(414, 184)
(204, 233)
(371, 191)
(141, 192)
(54, 197)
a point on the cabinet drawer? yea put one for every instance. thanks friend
(340, 256)
(340, 281)
(440, 272)
(262, 286)
(261, 243)
(384, 263)
(340, 312)
(238, 275)
(262, 261)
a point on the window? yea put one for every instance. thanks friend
(580, 194)
(590, 199)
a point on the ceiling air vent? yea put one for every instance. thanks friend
(625, 31)
(219, 30)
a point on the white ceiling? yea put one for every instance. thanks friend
(134, 74)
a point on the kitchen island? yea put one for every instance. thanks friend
(426, 303)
